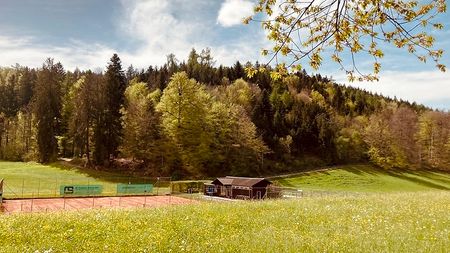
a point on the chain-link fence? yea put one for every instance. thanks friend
(198, 191)
(48, 187)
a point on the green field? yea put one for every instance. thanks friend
(37, 180)
(395, 222)
(366, 178)
(397, 212)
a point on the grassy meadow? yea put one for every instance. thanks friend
(367, 178)
(396, 222)
(37, 180)
(396, 212)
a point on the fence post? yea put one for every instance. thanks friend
(157, 186)
(1, 191)
(23, 185)
(39, 187)
(56, 186)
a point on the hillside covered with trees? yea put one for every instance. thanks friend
(192, 119)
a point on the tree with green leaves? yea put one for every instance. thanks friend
(387, 144)
(184, 107)
(47, 108)
(143, 138)
(307, 30)
(109, 123)
(236, 146)
(350, 145)
(433, 135)
(81, 119)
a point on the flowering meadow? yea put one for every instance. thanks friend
(393, 222)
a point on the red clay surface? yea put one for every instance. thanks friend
(60, 204)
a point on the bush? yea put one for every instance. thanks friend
(187, 186)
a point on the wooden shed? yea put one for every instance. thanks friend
(238, 187)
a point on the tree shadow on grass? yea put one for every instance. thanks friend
(363, 170)
(403, 175)
(442, 177)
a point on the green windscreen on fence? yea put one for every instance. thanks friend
(134, 188)
(80, 190)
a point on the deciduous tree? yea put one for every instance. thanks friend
(305, 30)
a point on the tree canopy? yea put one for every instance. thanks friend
(163, 121)
(342, 29)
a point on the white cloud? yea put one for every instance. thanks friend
(426, 87)
(233, 11)
(157, 27)
(76, 54)
(177, 26)
(160, 32)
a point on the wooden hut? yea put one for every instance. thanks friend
(238, 187)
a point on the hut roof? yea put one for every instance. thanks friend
(239, 181)
(223, 181)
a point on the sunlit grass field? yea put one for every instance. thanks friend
(395, 222)
(397, 212)
(367, 178)
(37, 180)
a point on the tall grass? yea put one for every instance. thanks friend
(400, 222)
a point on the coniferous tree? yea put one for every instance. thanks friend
(109, 121)
(47, 108)
(82, 117)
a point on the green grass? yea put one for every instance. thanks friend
(366, 178)
(396, 222)
(33, 179)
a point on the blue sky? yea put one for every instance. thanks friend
(85, 33)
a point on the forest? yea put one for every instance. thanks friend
(192, 119)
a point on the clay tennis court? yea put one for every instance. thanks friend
(59, 204)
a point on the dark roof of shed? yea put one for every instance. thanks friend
(240, 181)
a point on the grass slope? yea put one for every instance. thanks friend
(396, 222)
(45, 180)
(367, 178)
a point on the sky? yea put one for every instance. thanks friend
(85, 34)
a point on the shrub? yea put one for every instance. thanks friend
(187, 186)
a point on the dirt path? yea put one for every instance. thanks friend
(59, 204)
